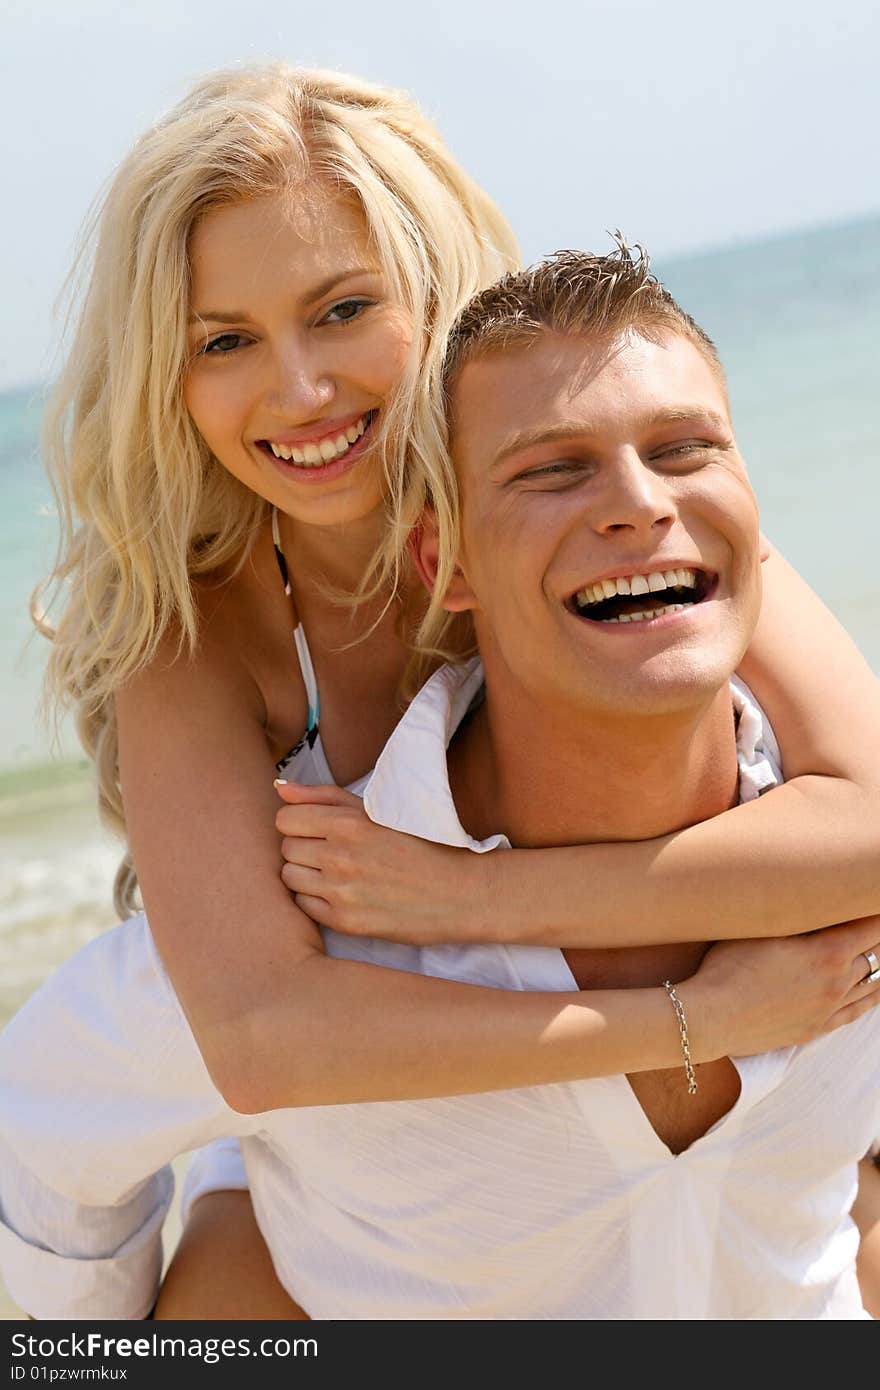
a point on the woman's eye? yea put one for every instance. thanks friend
(346, 310)
(223, 344)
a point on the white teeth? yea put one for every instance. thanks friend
(649, 615)
(636, 585)
(652, 583)
(324, 452)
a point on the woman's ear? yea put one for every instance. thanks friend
(424, 547)
(765, 548)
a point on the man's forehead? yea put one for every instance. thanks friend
(583, 380)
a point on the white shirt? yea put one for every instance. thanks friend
(552, 1201)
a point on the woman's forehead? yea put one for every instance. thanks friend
(304, 231)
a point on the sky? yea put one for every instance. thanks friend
(689, 124)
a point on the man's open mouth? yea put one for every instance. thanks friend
(323, 451)
(637, 598)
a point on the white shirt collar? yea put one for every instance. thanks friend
(409, 789)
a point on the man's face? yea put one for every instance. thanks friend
(588, 470)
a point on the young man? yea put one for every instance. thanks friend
(609, 555)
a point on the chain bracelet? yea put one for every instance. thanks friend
(685, 1042)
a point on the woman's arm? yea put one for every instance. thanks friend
(800, 857)
(280, 1023)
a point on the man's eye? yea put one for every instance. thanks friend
(688, 446)
(346, 310)
(223, 344)
(558, 468)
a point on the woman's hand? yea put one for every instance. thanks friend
(365, 880)
(754, 996)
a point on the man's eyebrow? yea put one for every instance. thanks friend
(581, 429)
(547, 434)
(687, 414)
(315, 292)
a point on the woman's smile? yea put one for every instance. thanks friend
(325, 456)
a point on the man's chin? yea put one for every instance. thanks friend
(667, 684)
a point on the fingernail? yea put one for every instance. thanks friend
(280, 782)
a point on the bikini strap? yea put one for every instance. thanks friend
(308, 675)
(299, 634)
(279, 553)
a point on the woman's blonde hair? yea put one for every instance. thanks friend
(143, 505)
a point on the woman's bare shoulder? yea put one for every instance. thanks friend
(242, 633)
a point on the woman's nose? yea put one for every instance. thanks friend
(302, 384)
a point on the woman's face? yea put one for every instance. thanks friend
(294, 349)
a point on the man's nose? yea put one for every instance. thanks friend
(302, 384)
(634, 498)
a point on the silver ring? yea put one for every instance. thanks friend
(873, 968)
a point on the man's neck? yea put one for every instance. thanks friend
(549, 776)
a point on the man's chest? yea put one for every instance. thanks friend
(677, 1117)
(804, 1115)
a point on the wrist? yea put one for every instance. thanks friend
(703, 1012)
(490, 915)
(683, 1034)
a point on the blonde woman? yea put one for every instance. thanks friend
(248, 428)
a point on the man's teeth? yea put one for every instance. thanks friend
(635, 584)
(647, 616)
(313, 455)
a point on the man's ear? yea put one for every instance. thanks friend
(424, 547)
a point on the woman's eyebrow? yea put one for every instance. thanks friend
(315, 292)
(332, 281)
(213, 316)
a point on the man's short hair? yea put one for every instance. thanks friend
(571, 292)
